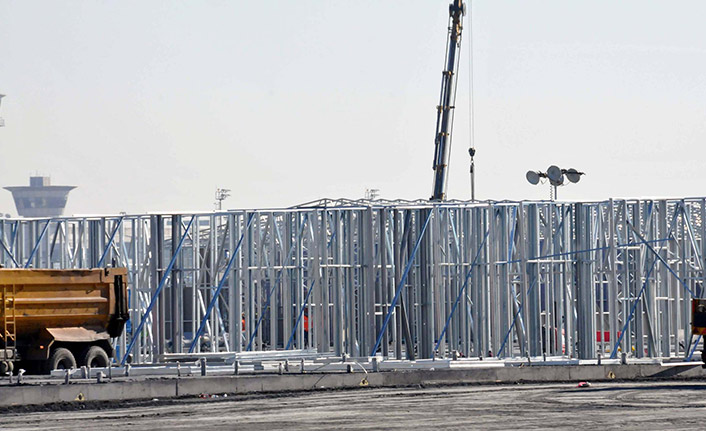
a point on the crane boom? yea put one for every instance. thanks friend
(444, 115)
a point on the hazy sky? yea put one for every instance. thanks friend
(149, 106)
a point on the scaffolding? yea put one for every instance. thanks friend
(402, 279)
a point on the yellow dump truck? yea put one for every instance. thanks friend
(54, 319)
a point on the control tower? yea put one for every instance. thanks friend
(40, 198)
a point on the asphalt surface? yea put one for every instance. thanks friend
(633, 405)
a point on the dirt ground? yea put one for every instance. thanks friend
(638, 405)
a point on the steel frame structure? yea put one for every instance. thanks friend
(401, 279)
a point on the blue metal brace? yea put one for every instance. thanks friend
(400, 285)
(153, 301)
(110, 242)
(220, 286)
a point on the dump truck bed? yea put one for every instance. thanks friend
(33, 300)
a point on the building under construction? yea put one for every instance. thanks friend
(399, 279)
(405, 280)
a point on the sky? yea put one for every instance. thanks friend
(152, 105)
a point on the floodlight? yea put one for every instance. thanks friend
(573, 175)
(554, 174)
(532, 177)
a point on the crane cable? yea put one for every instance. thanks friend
(471, 107)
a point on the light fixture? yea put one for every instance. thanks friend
(556, 177)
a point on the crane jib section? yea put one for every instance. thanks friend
(444, 116)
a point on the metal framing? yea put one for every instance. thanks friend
(401, 279)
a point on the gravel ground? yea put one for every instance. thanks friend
(643, 405)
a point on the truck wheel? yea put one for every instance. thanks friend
(6, 367)
(95, 357)
(61, 359)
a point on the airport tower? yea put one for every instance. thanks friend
(40, 198)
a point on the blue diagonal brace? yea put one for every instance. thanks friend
(153, 301)
(664, 262)
(614, 353)
(306, 301)
(277, 282)
(110, 242)
(299, 316)
(400, 285)
(9, 253)
(36, 246)
(515, 319)
(460, 293)
(696, 344)
(220, 286)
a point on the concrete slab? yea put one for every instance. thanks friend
(45, 391)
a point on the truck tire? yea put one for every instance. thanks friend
(6, 367)
(94, 357)
(60, 359)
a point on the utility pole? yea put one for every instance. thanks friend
(372, 194)
(221, 195)
(2, 122)
(472, 152)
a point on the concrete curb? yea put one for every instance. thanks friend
(164, 388)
